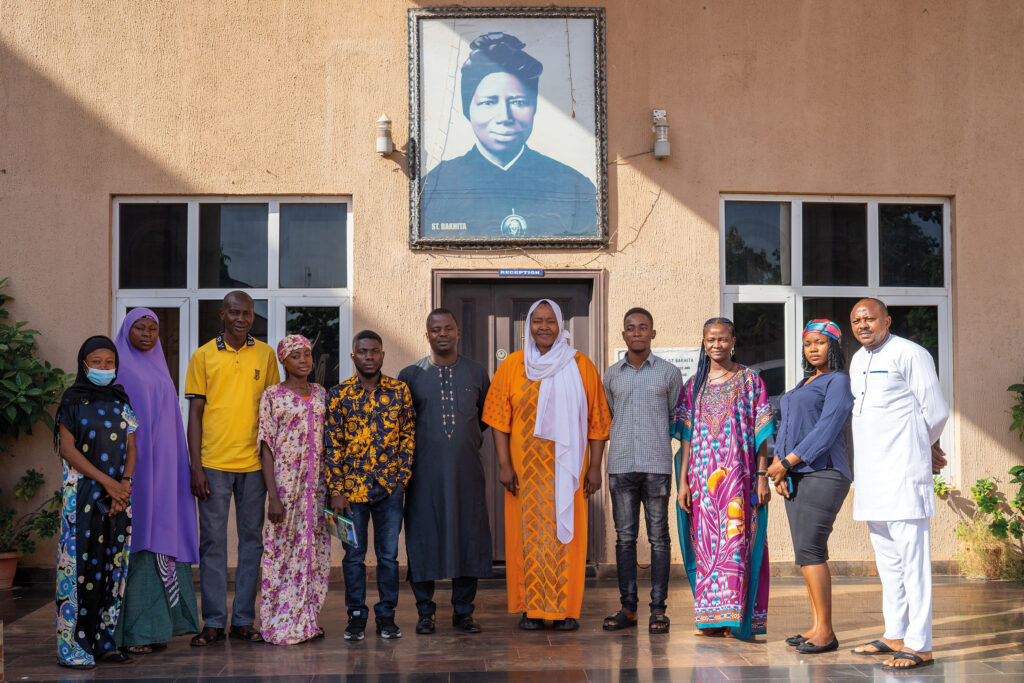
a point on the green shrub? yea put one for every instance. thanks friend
(28, 385)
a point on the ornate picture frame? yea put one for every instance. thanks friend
(507, 137)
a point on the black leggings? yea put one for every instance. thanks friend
(812, 509)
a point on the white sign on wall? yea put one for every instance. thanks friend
(684, 358)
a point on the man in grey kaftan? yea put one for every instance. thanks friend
(447, 533)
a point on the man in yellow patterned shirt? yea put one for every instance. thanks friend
(370, 440)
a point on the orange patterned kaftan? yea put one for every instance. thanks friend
(544, 576)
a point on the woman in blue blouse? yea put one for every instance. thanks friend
(811, 434)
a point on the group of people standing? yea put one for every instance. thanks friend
(389, 451)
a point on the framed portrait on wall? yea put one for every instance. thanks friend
(507, 128)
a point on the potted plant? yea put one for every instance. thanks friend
(18, 532)
(28, 387)
(991, 531)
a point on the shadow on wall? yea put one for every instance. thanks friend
(56, 181)
(61, 162)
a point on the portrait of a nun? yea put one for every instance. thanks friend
(501, 187)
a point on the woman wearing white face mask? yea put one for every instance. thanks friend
(94, 435)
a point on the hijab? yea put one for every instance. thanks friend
(163, 510)
(84, 390)
(561, 414)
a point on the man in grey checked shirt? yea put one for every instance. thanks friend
(642, 391)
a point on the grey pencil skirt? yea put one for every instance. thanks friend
(812, 509)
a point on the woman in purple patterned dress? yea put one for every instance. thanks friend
(296, 547)
(723, 421)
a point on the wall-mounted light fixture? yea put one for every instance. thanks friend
(662, 149)
(384, 144)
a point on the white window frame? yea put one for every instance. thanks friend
(793, 294)
(187, 299)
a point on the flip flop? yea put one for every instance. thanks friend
(880, 649)
(903, 654)
(618, 621)
(138, 649)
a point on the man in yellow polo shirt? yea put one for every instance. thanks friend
(226, 377)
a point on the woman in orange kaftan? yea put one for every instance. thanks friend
(546, 404)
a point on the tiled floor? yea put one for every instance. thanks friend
(979, 635)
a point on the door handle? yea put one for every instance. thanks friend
(501, 354)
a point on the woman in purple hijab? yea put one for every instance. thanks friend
(159, 600)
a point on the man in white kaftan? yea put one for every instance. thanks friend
(898, 414)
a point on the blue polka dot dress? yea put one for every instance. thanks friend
(92, 555)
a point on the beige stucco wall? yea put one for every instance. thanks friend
(100, 99)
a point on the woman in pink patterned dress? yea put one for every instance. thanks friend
(296, 547)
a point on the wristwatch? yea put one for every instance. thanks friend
(786, 464)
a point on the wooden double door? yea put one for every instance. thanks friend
(492, 321)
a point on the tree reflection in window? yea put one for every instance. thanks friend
(757, 243)
(321, 325)
(910, 245)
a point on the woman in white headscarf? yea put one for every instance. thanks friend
(546, 405)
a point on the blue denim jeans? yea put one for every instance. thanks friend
(628, 492)
(385, 509)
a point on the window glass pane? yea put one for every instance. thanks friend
(152, 245)
(313, 245)
(322, 326)
(919, 324)
(910, 245)
(836, 309)
(169, 320)
(233, 245)
(210, 325)
(757, 246)
(761, 345)
(835, 239)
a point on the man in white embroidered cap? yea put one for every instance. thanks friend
(502, 187)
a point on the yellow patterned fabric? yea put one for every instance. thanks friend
(369, 437)
(544, 576)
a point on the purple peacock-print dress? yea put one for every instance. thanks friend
(724, 540)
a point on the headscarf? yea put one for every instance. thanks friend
(497, 52)
(83, 389)
(292, 342)
(561, 414)
(163, 509)
(826, 327)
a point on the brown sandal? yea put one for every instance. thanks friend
(246, 633)
(206, 636)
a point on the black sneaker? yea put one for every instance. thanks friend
(425, 626)
(387, 628)
(356, 627)
(465, 623)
